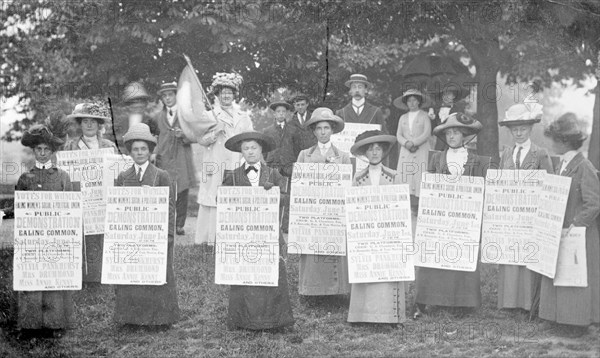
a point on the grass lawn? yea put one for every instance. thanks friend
(319, 331)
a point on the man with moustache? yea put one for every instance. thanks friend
(359, 110)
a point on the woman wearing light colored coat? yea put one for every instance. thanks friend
(414, 131)
(230, 120)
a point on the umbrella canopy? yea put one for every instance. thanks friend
(433, 74)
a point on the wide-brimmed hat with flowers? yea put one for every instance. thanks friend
(400, 102)
(234, 143)
(520, 113)
(171, 86)
(467, 124)
(96, 110)
(357, 77)
(223, 79)
(38, 134)
(135, 91)
(325, 114)
(363, 140)
(273, 106)
(565, 129)
(139, 131)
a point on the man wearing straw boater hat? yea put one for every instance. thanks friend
(174, 151)
(359, 110)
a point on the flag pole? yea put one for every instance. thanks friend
(189, 63)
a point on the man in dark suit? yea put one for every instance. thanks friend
(359, 110)
(174, 152)
(298, 137)
(277, 131)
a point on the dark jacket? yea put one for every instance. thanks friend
(536, 158)
(296, 140)
(174, 154)
(278, 135)
(475, 166)
(370, 114)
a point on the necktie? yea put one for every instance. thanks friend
(139, 174)
(170, 112)
(323, 150)
(357, 109)
(251, 168)
(518, 160)
(301, 117)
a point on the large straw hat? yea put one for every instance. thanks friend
(400, 102)
(357, 77)
(234, 143)
(459, 120)
(522, 114)
(38, 134)
(367, 138)
(97, 110)
(276, 104)
(134, 91)
(325, 114)
(139, 131)
(171, 86)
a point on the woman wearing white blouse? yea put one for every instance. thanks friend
(450, 288)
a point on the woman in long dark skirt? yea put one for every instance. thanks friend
(43, 311)
(147, 305)
(258, 307)
(576, 306)
(517, 284)
(451, 288)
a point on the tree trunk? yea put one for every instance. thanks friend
(487, 110)
(594, 149)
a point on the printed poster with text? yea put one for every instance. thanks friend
(548, 223)
(511, 203)
(88, 168)
(47, 241)
(344, 140)
(571, 266)
(317, 206)
(378, 222)
(136, 238)
(247, 251)
(449, 222)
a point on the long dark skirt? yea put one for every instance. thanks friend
(45, 309)
(448, 287)
(92, 267)
(260, 307)
(147, 305)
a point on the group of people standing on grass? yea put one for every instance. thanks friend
(249, 158)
